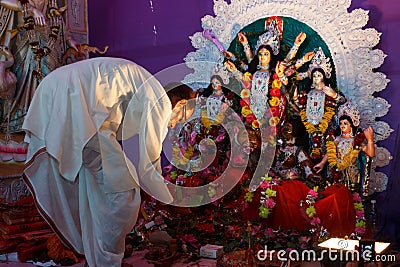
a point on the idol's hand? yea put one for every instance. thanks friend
(242, 38)
(300, 38)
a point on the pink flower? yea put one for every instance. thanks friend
(359, 213)
(315, 221)
(269, 232)
(168, 178)
(220, 138)
(360, 230)
(269, 203)
(168, 168)
(356, 197)
(312, 193)
(264, 185)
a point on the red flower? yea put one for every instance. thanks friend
(274, 111)
(250, 118)
(244, 102)
(206, 227)
(275, 76)
(246, 84)
(275, 92)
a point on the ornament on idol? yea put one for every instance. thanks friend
(350, 109)
(271, 37)
(221, 71)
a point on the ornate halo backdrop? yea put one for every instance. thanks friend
(351, 47)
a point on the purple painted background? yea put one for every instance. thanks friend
(155, 34)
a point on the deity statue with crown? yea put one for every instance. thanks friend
(263, 75)
(318, 103)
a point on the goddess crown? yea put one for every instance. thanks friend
(320, 61)
(350, 110)
(270, 37)
(222, 72)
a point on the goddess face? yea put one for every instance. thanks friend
(318, 78)
(264, 56)
(345, 126)
(216, 85)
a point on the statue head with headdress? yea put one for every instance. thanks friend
(320, 61)
(349, 109)
(221, 72)
(272, 35)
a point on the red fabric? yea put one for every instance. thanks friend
(22, 228)
(288, 214)
(336, 210)
(28, 251)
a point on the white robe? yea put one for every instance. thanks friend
(82, 181)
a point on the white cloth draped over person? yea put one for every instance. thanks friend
(83, 183)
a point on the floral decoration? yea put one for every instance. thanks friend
(349, 158)
(274, 103)
(360, 226)
(317, 131)
(268, 194)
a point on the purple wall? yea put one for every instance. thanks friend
(129, 31)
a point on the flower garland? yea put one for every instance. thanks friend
(320, 127)
(333, 160)
(317, 131)
(267, 199)
(311, 198)
(274, 102)
(206, 122)
(349, 158)
(360, 215)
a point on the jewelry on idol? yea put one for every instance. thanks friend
(347, 134)
(263, 68)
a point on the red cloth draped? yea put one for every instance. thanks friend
(288, 214)
(335, 209)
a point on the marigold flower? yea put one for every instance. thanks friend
(245, 93)
(246, 111)
(274, 101)
(250, 118)
(276, 83)
(275, 92)
(274, 121)
(255, 124)
(274, 111)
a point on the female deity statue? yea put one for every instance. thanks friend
(318, 106)
(216, 94)
(291, 159)
(264, 80)
(295, 185)
(349, 152)
(38, 47)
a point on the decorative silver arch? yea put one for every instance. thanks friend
(351, 48)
